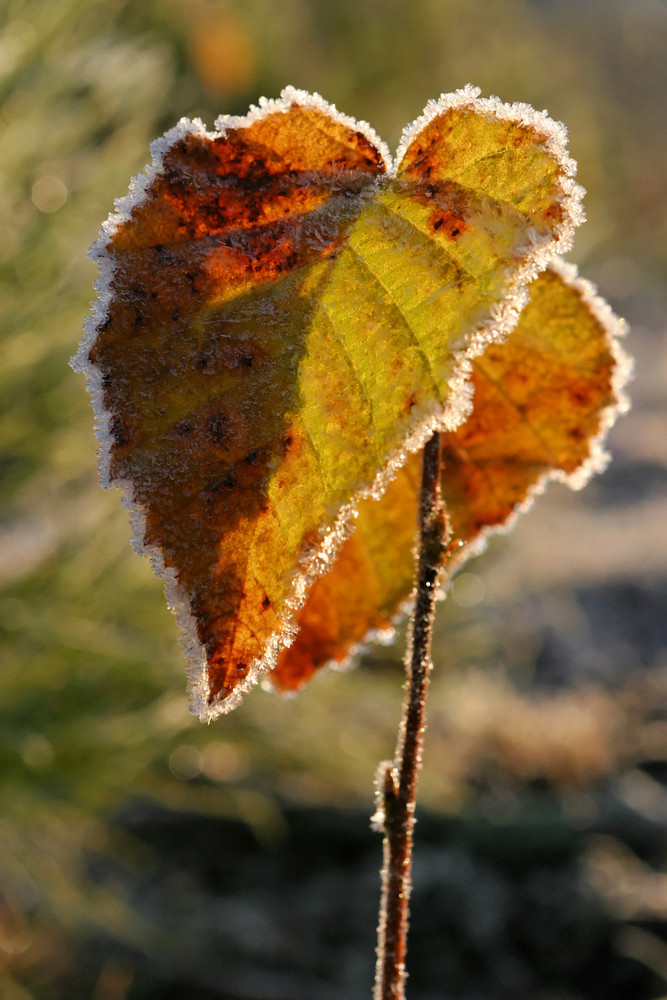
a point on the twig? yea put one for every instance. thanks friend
(397, 781)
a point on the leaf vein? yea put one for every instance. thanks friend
(502, 391)
(333, 326)
(399, 310)
(431, 242)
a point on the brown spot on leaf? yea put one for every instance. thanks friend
(222, 484)
(449, 222)
(218, 429)
(119, 431)
(580, 394)
(554, 212)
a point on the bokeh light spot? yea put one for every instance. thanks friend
(185, 762)
(468, 590)
(49, 193)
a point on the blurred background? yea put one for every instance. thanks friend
(143, 855)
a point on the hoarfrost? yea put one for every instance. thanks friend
(503, 318)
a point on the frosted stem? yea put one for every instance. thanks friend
(397, 783)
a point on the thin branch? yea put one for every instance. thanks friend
(397, 782)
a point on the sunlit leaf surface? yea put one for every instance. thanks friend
(543, 401)
(283, 316)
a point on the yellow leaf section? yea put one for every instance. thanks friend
(493, 156)
(423, 268)
(406, 291)
(541, 402)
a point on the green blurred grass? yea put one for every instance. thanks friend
(92, 680)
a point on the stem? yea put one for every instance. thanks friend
(397, 785)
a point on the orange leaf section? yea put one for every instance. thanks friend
(542, 401)
(197, 364)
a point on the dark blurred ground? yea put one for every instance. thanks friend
(145, 856)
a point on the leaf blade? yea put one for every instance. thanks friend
(222, 396)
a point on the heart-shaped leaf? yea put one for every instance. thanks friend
(283, 316)
(543, 404)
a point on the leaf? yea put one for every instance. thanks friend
(543, 403)
(283, 315)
